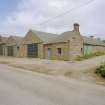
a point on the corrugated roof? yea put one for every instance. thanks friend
(44, 36)
(93, 41)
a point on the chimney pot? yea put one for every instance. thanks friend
(92, 37)
(76, 27)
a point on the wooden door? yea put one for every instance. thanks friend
(1, 50)
(10, 51)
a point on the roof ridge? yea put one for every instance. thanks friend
(42, 31)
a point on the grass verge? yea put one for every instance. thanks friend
(87, 56)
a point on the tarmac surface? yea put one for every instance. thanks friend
(20, 87)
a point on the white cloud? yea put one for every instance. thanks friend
(30, 13)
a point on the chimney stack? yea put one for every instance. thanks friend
(76, 27)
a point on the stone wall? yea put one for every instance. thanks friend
(54, 52)
(23, 50)
(76, 45)
(31, 38)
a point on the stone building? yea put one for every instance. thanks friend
(33, 43)
(66, 46)
(3, 41)
(12, 47)
(92, 45)
(36, 44)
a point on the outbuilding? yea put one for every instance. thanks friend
(13, 46)
(33, 43)
(93, 45)
(66, 46)
(3, 41)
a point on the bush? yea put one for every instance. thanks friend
(101, 70)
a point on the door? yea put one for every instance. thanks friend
(32, 50)
(1, 50)
(49, 53)
(10, 51)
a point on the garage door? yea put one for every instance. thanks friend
(10, 51)
(1, 50)
(32, 50)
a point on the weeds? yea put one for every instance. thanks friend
(87, 56)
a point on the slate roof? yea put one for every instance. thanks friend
(18, 39)
(64, 37)
(3, 40)
(44, 36)
(49, 38)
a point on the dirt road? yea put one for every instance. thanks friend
(83, 70)
(53, 65)
(20, 87)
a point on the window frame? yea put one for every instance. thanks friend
(59, 51)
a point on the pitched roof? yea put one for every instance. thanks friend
(18, 39)
(93, 41)
(69, 34)
(3, 39)
(64, 37)
(44, 36)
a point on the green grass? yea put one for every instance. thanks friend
(101, 70)
(87, 56)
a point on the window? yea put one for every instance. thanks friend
(32, 50)
(59, 51)
(18, 48)
(81, 49)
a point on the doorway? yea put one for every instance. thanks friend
(10, 51)
(49, 53)
(1, 50)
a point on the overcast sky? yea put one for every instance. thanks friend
(18, 16)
